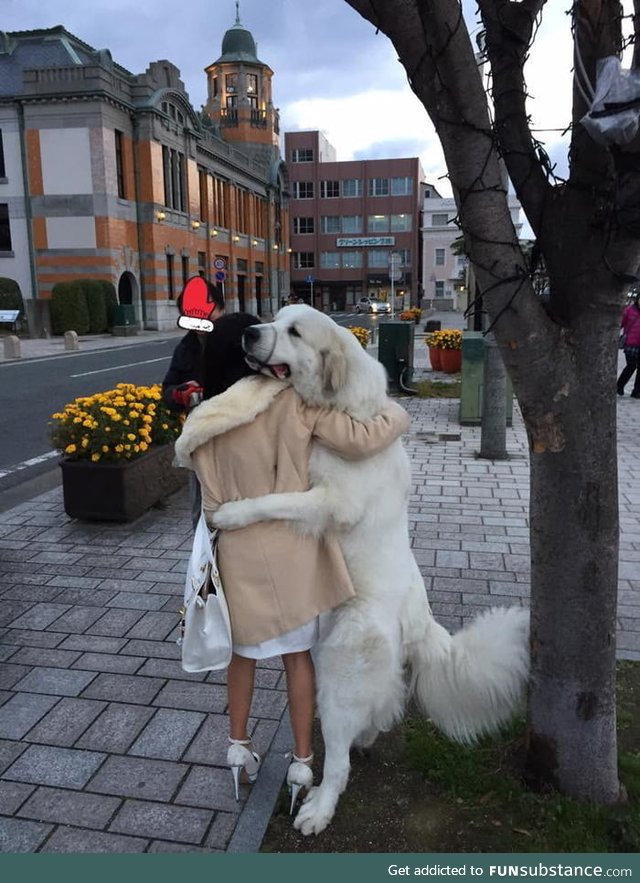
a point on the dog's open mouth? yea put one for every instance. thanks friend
(280, 372)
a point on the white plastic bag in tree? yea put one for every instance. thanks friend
(615, 113)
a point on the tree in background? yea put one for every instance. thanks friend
(560, 351)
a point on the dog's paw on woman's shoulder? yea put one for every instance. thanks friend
(230, 516)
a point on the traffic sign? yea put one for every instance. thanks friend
(219, 264)
(309, 279)
(220, 276)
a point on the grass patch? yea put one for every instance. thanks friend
(417, 792)
(438, 389)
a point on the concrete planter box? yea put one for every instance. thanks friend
(119, 491)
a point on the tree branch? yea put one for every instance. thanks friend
(509, 30)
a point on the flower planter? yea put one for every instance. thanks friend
(451, 361)
(119, 491)
(435, 358)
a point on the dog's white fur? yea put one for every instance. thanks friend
(467, 684)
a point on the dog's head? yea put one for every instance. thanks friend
(324, 362)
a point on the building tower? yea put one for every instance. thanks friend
(239, 93)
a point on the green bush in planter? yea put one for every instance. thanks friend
(110, 297)
(69, 310)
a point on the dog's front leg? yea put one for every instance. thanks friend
(309, 509)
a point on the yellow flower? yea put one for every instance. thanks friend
(95, 458)
(70, 449)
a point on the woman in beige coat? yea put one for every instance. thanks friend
(253, 439)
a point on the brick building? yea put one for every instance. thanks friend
(115, 176)
(347, 219)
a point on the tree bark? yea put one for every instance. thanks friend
(561, 356)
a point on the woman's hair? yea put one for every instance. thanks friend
(224, 358)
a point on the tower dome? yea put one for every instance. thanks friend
(238, 43)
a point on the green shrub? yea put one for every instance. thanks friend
(96, 304)
(10, 295)
(110, 297)
(69, 310)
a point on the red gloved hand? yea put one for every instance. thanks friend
(181, 395)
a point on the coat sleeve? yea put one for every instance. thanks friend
(356, 439)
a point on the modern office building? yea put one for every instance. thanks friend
(115, 176)
(347, 221)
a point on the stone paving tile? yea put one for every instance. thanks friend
(193, 697)
(136, 601)
(12, 609)
(55, 681)
(154, 625)
(26, 638)
(13, 795)
(61, 767)
(80, 840)
(19, 714)
(114, 687)
(268, 703)
(11, 674)
(179, 823)
(9, 751)
(211, 743)
(6, 651)
(43, 656)
(221, 830)
(115, 622)
(116, 728)
(208, 787)
(69, 807)
(107, 662)
(39, 616)
(170, 669)
(93, 643)
(138, 777)
(159, 649)
(118, 584)
(20, 836)
(66, 722)
(168, 734)
(37, 593)
(78, 619)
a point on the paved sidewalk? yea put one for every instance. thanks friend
(38, 348)
(107, 745)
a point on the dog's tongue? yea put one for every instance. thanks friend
(280, 371)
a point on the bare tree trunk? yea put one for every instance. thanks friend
(561, 357)
(574, 567)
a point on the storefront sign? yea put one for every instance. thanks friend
(359, 241)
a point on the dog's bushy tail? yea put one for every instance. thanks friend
(473, 682)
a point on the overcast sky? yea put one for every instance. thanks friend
(332, 71)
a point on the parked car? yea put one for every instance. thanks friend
(372, 305)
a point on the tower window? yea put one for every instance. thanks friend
(231, 83)
(252, 84)
(120, 164)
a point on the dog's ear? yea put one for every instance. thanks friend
(334, 368)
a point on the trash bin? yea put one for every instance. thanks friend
(395, 350)
(472, 381)
(432, 325)
(122, 318)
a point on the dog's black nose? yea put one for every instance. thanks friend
(251, 334)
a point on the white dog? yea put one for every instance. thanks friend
(467, 684)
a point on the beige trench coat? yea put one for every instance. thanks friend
(255, 439)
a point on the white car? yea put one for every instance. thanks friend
(371, 305)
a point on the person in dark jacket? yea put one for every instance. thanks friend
(183, 384)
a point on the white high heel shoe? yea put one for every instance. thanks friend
(299, 775)
(242, 760)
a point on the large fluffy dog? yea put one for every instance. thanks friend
(467, 684)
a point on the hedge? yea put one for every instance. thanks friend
(10, 295)
(82, 305)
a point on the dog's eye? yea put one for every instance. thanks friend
(293, 331)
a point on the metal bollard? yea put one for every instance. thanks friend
(12, 347)
(71, 341)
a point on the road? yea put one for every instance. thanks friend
(31, 391)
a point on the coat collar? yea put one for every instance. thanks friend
(236, 406)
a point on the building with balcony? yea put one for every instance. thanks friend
(347, 221)
(113, 175)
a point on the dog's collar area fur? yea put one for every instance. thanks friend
(236, 406)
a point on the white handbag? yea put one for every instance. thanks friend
(205, 629)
